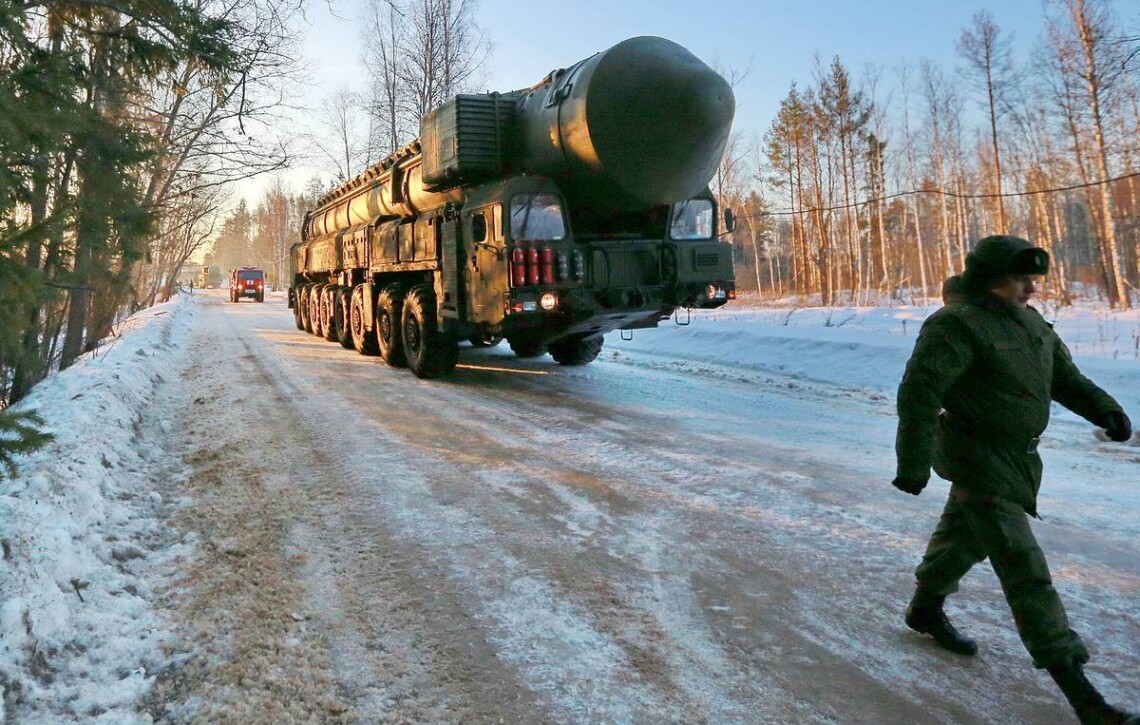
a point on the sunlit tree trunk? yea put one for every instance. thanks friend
(987, 54)
(1087, 58)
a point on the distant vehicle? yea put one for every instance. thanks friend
(247, 282)
(209, 277)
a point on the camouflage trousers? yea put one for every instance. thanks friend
(973, 528)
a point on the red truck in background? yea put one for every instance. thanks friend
(247, 282)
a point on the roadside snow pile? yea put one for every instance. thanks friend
(866, 348)
(81, 534)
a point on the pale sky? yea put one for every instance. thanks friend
(775, 42)
(771, 44)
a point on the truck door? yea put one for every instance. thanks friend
(486, 263)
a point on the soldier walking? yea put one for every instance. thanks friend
(973, 402)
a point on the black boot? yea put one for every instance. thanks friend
(1088, 704)
(925, 615)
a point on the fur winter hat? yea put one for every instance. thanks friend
(999, 255)
(953, 290)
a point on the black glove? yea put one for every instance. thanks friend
(913, 486)
(1117, 426)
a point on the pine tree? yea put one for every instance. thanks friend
(20, 434)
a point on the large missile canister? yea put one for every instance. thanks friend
(641, 124)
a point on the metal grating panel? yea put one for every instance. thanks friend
(706, 260)
(463, 138)
(626, 268)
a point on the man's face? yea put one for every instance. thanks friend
(1014, 289)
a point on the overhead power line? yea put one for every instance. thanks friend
(946, 193)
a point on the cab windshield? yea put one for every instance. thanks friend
(692, 219)
(537, 216)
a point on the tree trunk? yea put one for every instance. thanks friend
(28, 369)
(1093, 77)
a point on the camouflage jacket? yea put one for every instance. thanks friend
(976, 396)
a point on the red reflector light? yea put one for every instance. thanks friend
(518, 267)
(531, 265)
(546, 265)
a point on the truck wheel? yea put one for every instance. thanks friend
(576, 350)
(389, 307)
(363, 339)
(343, 315)
(303, 303)
(428, 352)
(526, 348)
(297, 307)
(328, 312)
(315, 318)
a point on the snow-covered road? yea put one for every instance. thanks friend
(698, 527)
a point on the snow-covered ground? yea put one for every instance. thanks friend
(88, 552)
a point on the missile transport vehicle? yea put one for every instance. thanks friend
(547, 217)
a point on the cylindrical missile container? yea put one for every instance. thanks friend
(641, 124)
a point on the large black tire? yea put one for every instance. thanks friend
(260, 297)
(363, 339)
(297, 307)
(389, 336)
(343, 315)
(303, 300)
(526, 348)
(576, 350)
(328, 311)
(315, 294)
(428, 352)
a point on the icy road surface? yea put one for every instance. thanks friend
(652, 538)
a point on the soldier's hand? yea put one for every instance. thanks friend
(913, 486)
(1117, 426)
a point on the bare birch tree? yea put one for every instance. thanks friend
(877, 145)
(941, 107)
(911, 177)
(846, 112)
(989, 71)
(420, 54)
(1082, 38)
(390, 128)
(343, 146)
(213, 130)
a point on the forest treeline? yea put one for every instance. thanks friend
(872, 188)
(126, 126)
(122, 127)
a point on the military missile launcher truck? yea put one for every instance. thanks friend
(547, 217)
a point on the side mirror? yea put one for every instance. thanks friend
(729, 220)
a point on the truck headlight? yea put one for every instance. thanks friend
(714, 293)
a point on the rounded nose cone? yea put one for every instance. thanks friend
(659, 118)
